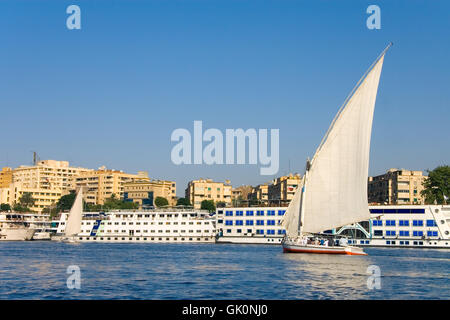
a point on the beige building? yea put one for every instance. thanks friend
(207, 189)
(48, 174)
(5, 177)
(282, 190)
(241, 192)
(103, 183)
(396, 187)
(47, 181)
(144, 193)
(259, 194)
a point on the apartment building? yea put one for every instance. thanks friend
(396, 186)
(207, 189)
(145, 192)
(259, 194)
(101, 184)
(6, 177)
(282, 190)
(47, 181)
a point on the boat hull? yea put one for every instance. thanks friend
(16, 234)
(347, 250)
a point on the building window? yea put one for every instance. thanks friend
(404, 233)
(249, 213)
(431, 223)
(259, 222)
(390, 222)
(418, 223)
(403, 223)
(249, 222)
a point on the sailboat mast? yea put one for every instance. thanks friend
(302, 202)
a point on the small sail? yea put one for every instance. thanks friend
(336, 184)
(291, 219)
(73, 225)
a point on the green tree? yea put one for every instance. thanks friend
(161, 202)
(26, 200)
(66, 202)
(208, 205)
(183, 202)
(5, 207)
(19, 208)
(437, 185)
(221, 204)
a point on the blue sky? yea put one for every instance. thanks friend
(112, 93)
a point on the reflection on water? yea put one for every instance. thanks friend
(37, 270)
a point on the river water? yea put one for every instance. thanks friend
(38, 270)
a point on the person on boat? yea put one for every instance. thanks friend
(325, 243)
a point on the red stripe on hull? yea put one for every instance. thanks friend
(290, 250)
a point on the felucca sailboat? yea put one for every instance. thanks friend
(333, 190)
(73, 224)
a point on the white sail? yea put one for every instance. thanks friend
(73, 225)
(291, 219)
(336, 183)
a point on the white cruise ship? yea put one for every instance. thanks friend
(426, 226)
(421, 226)
(13, 227)
(162, 225)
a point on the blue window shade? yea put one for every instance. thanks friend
(228, 213)
(270, 222)
(403, 223)
(249, 222)
(377, 223)
(432, 233)
(404, 233)
(431, 223)
(239, 222)
(239, 213)
(417, 233)
(270, 231)
(418, 223)
(259, 212)
(390, 222)
(281, 212)
(259, 231)
(282, 231)
(390, 233)
(249, 213)
(384, 211)
(270, 212)
(228, 222)
(259, 222)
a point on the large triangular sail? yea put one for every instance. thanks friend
(334, 189)
(73, 224)
(291, 219)
(336, 193)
